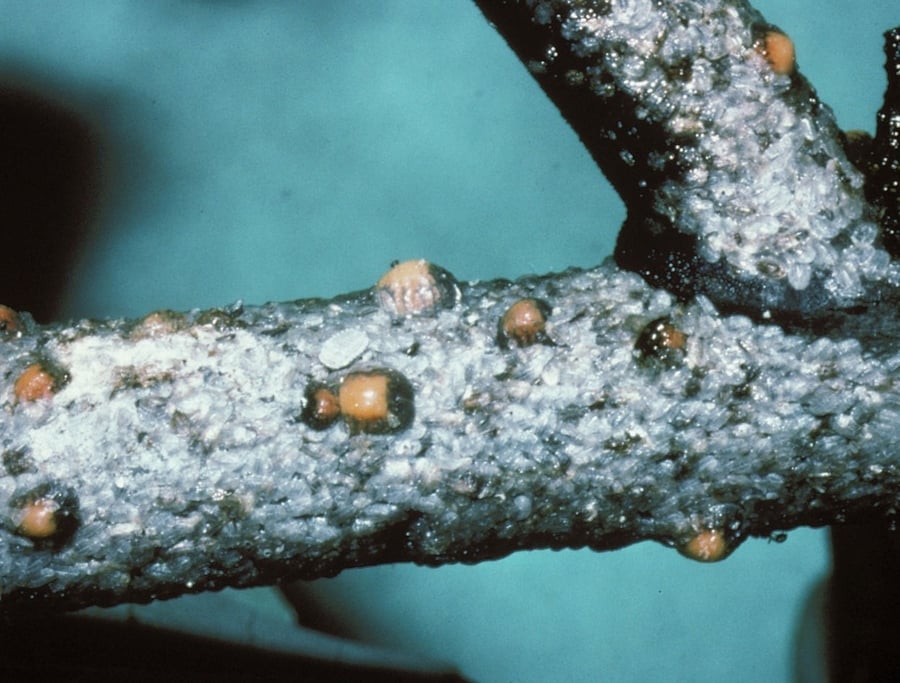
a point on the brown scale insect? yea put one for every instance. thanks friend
(524, 323)
(416, 287)
(158, 324)
(661, 342)
(322, 407)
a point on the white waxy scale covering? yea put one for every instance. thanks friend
(192, 469)
(766, 187)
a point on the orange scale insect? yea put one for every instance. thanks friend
(36, 382)
(9, 320)
(37, 519)
(47, 515)
(778, 50)
(378, 401)
(709, 545)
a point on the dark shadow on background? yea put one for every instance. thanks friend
(864, 604)
(50, 188)
(72, 648)
(314, 612)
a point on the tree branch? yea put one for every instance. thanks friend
(731, 168)
(186, 452)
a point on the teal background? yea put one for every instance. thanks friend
(277, 150)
